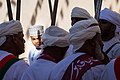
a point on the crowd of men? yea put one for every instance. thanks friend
(89, 51)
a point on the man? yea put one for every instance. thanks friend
(85, 63)
(35, 33)
(109, 23)
(77, 14)
(55, 43)
(11, 45)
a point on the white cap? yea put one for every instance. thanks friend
(55, 36)
(33, 30)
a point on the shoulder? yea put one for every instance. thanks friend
(94, 72)
(4, 54)
(116, 46)
(108, 71)
(17, 70)
(18, 64)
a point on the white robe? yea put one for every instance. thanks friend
(69, 51)
(39, 70)
(60, 68)
(16, 71)
(34, 54)
(108, 73)
(115, 51)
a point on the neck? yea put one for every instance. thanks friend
(88, 49)
(55, 52)
(10, 51)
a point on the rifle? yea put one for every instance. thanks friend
(9, 10)
(18, 10)
(10, 15)
(97, 5)
(54, 12)
(50, 8)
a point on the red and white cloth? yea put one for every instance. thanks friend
(59, 70)
(16, 71)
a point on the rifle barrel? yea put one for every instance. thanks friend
(10, 16)
(54, 12)
(18, 10)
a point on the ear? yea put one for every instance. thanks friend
(113, 28)
(14, 39)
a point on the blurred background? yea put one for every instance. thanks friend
(37, 12)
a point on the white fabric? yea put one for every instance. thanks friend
(4, 54)
(39, 70)
(33, 30)
(16, 71)
(108, 73)
(34, 54)
(80, 13)
(60, 68)
(69, 51)
(82, 31)
(55, 36)
(9, 28)
(112, 17)
(115, 51)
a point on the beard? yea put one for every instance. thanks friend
(104, 36)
